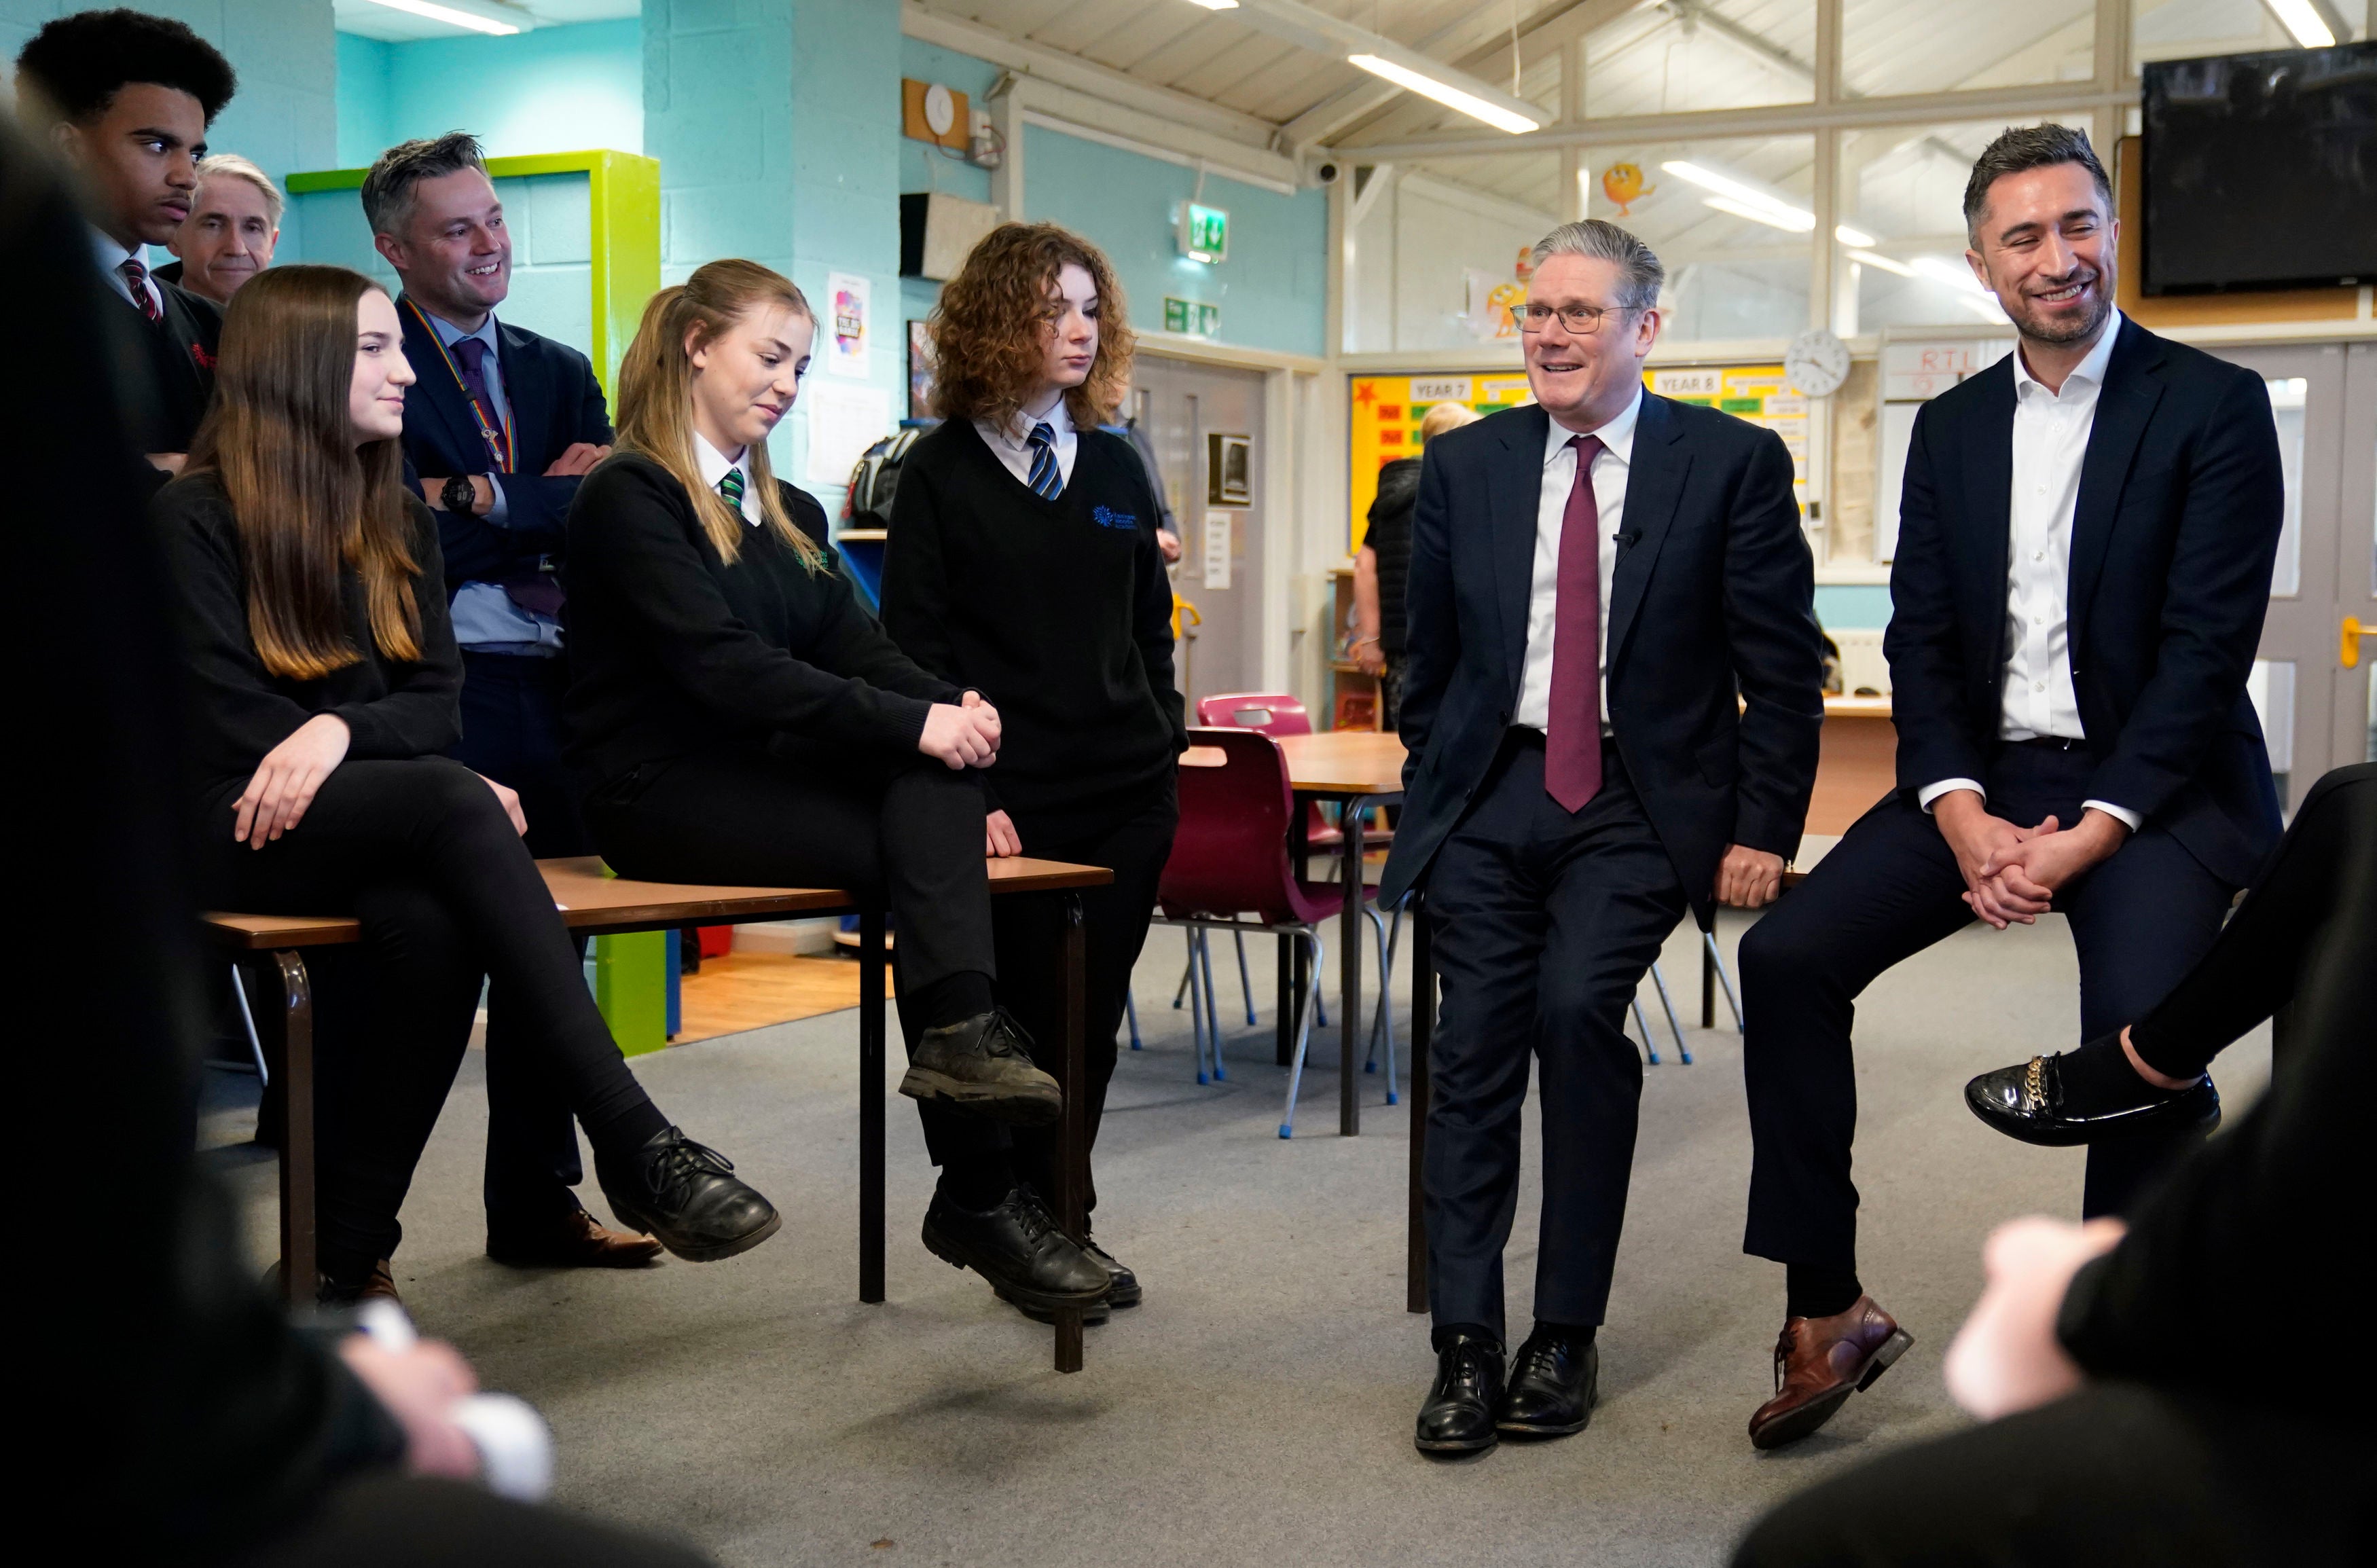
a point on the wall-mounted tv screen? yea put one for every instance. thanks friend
(2261, 171)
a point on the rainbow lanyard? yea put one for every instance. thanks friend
(496, 431)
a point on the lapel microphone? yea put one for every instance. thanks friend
(1626, 539)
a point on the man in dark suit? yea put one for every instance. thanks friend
(497, 430)
(1593, 578)
(126, 100)
(2084, 560)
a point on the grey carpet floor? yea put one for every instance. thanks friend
(1256, 1409)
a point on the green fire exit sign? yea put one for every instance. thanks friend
(1192, 317)
(1204, 232)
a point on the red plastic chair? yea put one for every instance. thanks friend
(1230, 871)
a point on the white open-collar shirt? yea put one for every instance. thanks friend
(1011, 442)
(1610, 467)
(2050, 442)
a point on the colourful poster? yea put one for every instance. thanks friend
(848, 338)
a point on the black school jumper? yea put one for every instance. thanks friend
(1059, 612)
(749, 722)
(413, 844)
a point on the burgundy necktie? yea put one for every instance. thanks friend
(1572, 735)
(136, 276)
(472, 354)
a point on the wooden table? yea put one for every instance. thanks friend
(593, 903)
(1356, 769)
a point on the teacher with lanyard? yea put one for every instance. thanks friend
(498, 429)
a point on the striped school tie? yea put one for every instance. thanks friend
(1048, 480)
(731, 486)
(136, 277)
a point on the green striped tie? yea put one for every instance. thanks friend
(731, 486)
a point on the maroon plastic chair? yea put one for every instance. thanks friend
(1230, 871)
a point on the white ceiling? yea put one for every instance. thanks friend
(368, 20)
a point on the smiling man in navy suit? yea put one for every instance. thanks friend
(2083, 561)
(497, 431)
(1614, 690)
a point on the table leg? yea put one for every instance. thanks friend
(1073, 1159)
(1423, 1030)
(870, 1104)
(299, 1259)
(1349, 971)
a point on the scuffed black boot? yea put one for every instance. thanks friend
(983, 1065)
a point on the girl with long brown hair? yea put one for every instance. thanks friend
(323, 681)
(1024, 561)
(736, 716)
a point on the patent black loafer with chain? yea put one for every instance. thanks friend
(1555, 1379)
(1458, 1416)
(687, 1198)
(2028, 1103)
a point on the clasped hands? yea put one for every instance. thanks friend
(2013, 873)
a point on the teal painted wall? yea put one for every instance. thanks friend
(550, 89)
(1852, 606)
(927, 167)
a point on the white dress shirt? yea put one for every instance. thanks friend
(1011, 443)
(1610, 467)
(2050, 441)
(715, 465)
(112, 257)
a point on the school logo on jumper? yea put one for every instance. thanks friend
(1107, 517)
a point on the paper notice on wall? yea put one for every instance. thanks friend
(844, 420)
(848, 339)
(1219, 529)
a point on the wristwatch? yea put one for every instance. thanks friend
(461, 495)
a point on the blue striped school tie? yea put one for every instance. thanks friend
(1047, 479)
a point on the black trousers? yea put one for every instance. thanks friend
(511, 731)
(391, 1521)
(911, 837)
(2117, 1473)
(1133, 838)
(423, 855)
(1889, 890)
(1544, 924)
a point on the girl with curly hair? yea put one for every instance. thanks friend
(736, 716)
(1023, 562)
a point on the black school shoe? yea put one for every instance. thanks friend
(1458, 1415)
(1122, 1290)
(1019, 1247)
(2028, 1103)
(687, 1196)
(1555, 1379)
(983, 1065)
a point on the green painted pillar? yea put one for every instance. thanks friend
(631, 988)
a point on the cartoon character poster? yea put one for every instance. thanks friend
(849, 299)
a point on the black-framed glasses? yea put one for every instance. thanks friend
(1583, 319)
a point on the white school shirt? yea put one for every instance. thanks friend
(1011, 443)
(714, 465)
(1610, 467)
(110, 257)
(2050, 441)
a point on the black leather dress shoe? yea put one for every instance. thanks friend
(1019, 1248)
(983, 1066)
(2028, 1103)
(1555, 1379)
(687, 1197)
(1458, 1417)
(1124, 1289)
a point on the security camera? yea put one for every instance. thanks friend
(1325, 174)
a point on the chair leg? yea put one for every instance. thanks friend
(1650, 1045)
(1303, 1034)
(1213, 1003)
(247, 1019)
(1130, 1010)
(1189, 974)
(1196, 1009)
(1382, 1028)
(1246, 981)
(1674, 1024)
(1717, 961)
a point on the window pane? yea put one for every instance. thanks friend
(1433, 254)
(2272, 687)
(1730, 220)
(1902, 46)
(2187, 29)
(1701, 55)
(1901, 252)
(2287, 395)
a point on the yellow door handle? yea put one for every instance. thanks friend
(2347, 652)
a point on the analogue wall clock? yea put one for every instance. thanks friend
(1816, 363)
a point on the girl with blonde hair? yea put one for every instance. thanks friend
(736, 716)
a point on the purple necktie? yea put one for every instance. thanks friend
(472, 352)
(1572, 735)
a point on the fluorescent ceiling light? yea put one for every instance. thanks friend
(1773, 217)
(1727, 186)
(1452, 97)
(1216, 5)
(2302, 19)
(476, 21)
(1887, 263)
(1948, 272)
(1848, 235)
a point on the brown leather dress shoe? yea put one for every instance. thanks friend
(575, 1240)
(1819, 1362)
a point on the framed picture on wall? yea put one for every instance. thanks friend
(920, 372)
(1229, 470)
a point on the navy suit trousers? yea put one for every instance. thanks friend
(1542, 924)
(1886, 891)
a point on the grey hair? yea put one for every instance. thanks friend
(1640, 273)
(2019, 149)
(231, 166)
(388, 190)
